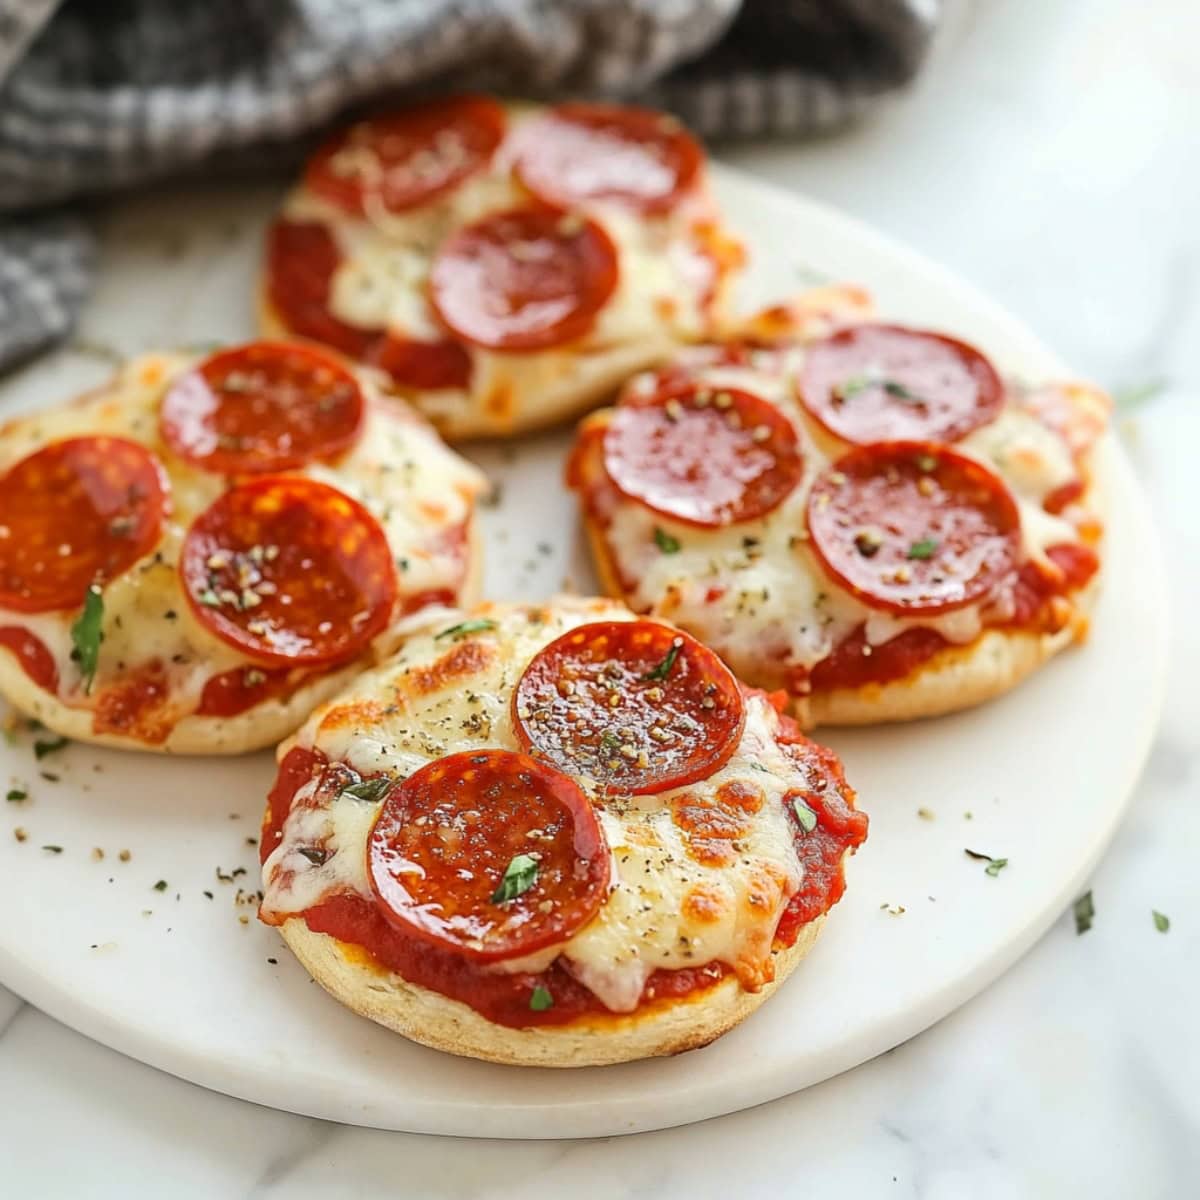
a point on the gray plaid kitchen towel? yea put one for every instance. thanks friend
(96, 96)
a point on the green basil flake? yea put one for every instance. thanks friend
(1127, 399)
(665, 542)
(1161, 921)
(851, 387)
(370, 790)
(1084, 910)
(86, 637)
(50, 746)
(925, 548)
(860, 383)
(663, 669)
(161, 886)
(540, 999)
(519, 876)
(804, 814)
(52, 849)
(16, 795)
(994, 865)
(610, 742)
(464, 628)
(901, 392)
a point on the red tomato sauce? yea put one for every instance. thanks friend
(136, 706)
(1035, 587)
(501, 998)
(850, 666)
(236, 691)
(840, 827)
(30, 651)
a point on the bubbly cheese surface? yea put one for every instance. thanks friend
(419, 491)
(670, 906)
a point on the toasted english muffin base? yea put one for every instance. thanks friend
(434, 1020)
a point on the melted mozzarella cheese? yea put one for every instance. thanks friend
(1030, 457)
(758, 597)
(419, 490)
(756, 592)
(667, 908)
(341, 828)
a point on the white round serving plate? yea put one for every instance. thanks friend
(177, 980)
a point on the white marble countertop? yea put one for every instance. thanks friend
(1049, 155)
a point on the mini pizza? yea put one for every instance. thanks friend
(866, 515)
(506, 266)
(556, 836)
(195, 554)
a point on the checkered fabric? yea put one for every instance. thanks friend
(96, 96)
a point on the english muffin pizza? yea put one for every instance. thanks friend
(505, 265)
(554, 835)
(196, 553)
(868, 515)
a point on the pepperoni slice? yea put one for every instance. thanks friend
(875, 383)
(263, 407)
(289, 571)
(635, 705)
(524, 279)
(488, 853)
(74, 513)
(636, 157)
(427, 366)
(405, 159)
(301, 260)
(912, 527)
(707, 457)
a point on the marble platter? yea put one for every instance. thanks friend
(179, 980)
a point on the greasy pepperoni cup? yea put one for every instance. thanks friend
(635, 705)
(76, 513)
(705, 456)
(489, 854)
(876, 383)
(913, 528)
(289, 571)
(405, 159)
(635, 157)
(523, 279)
(268, 406)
